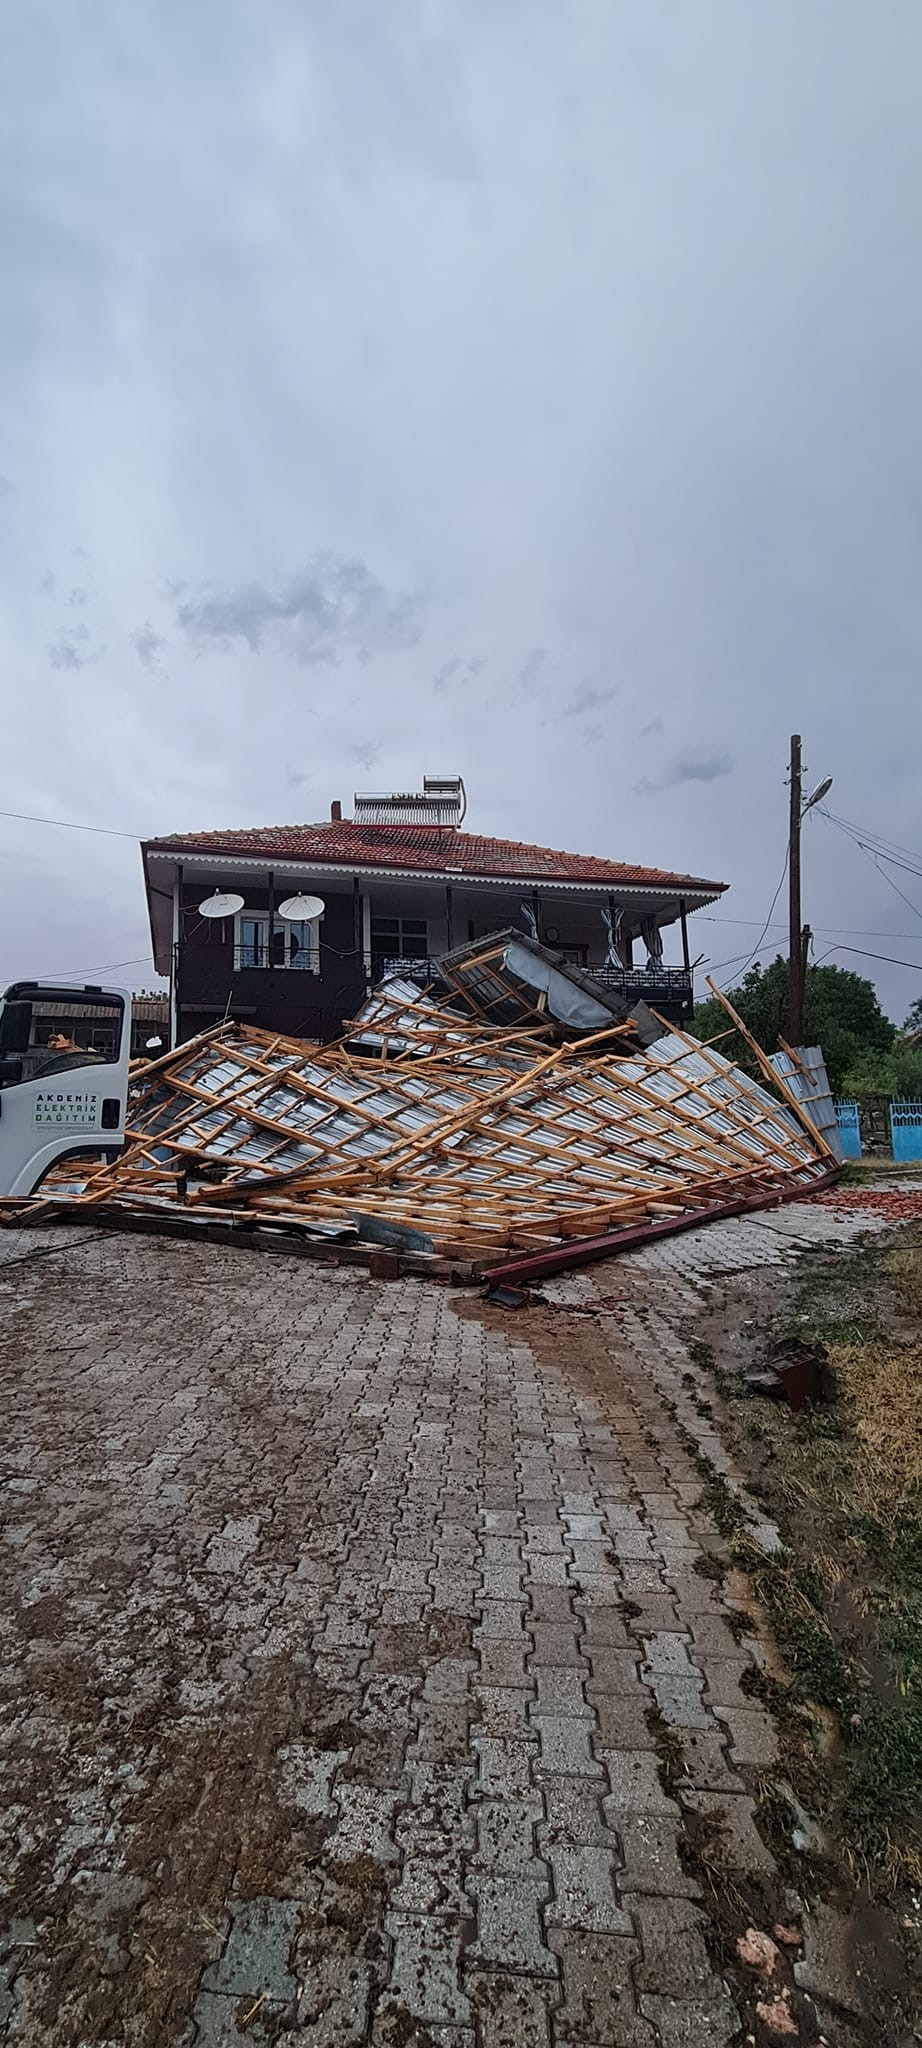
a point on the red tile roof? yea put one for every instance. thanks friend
(420, 849)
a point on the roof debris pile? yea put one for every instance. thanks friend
(445, 1136)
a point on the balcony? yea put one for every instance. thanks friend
(255, 959)
(661, 987)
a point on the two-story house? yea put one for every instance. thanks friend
(314, 914)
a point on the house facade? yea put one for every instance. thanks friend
(400, 882)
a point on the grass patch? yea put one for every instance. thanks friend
(817, 1659)
(879, 1814)
(722, 1504)
(843, 1481)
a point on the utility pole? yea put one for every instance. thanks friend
(795, 944)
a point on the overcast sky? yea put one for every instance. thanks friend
(526, 388)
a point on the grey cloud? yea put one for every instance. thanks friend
(672, 438)
(69, 650)
(588, 697)
(459, 671)
(76, 595)
(366, 754)
(147, 645)
(695, 764)
(535, 673)
(698, 764)
(331, 607)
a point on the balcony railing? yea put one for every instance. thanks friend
(625, 979)
(668, 984)
(257, 957)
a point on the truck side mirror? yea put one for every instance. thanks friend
(15, 1026)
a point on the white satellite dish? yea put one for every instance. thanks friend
(301, 909)
(220, 906)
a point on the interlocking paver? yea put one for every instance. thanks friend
(733, 1840)
(509, 1927)
(507, 1833)
(614, 1670)
(705, 1761)
(650, 1848)
(598, 1998)
(560, 1690)
(753, 1739)
(722, 1681)
(708, 2022)
(622, 1723)
(675, 1960)
(554, 1644)
(584, 1890)
(505, 1765)
(635, 1785)
(424, 1974)
(511, 2012)
(565, 1746)
(383, 1595)
(680, 1700)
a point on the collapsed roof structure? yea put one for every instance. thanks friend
(512, 1111)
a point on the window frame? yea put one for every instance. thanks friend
(390, 946)
(285, 928)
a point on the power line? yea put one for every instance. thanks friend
(872, 838)
(875, 848)
(848, 931)
(68, 825)
(916, 965)
(751, 956)
(108, 967)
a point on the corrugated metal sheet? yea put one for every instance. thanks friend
(808, 1080)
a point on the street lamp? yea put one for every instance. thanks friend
(822, 789)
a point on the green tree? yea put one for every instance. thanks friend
(893, 1073)
(914, 1018)
(841, 1014)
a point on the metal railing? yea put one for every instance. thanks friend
(638, 981)
(258, 958)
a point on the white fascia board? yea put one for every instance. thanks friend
(248, 863)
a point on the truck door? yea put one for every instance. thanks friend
(64, 1056)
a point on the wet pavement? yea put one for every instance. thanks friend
(346, 1626)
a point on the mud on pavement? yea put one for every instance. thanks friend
(374, 1669)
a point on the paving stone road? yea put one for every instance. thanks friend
(334, 1618)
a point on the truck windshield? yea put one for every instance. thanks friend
(50, 1031)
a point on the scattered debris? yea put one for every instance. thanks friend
(465, 1124)
(806, 1834)
(776, 2015)
(898, 1205)
(758, 1952)
(796, 1373)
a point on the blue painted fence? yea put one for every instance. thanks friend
(849, 1129)
(906, 1129)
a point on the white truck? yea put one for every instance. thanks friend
(64, 1055)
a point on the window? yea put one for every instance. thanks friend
(397, 938)
(295, 944)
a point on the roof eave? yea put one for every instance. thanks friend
(696, 893)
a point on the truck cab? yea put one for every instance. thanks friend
(64, 1055)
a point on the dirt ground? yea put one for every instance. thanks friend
(380, 1666)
